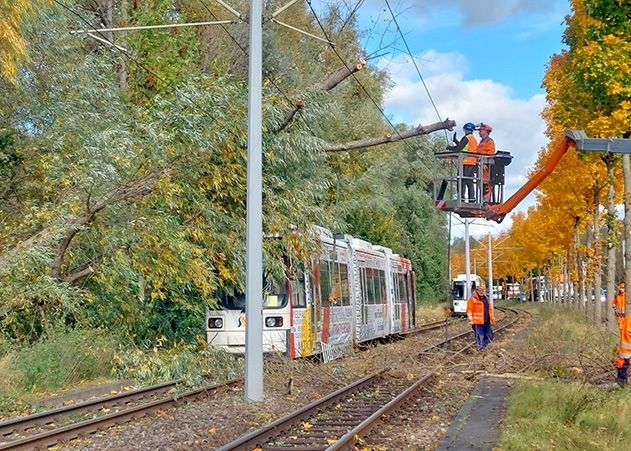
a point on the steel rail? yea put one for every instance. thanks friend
(259, 436)
(350, 438)
(257, 439)
(52, 437)
(429, 326)
(464, 334)
(21, 424)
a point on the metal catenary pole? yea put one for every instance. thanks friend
(490, 270)
(254, 228)
(467, 258)
(449, 251)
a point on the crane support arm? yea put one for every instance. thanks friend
(498, 212)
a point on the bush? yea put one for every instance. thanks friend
(193, 363)
(61, 359)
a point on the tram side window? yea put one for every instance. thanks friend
(380, 287)
(377, 289)
(383, 287)
(395, 286)
(298, 298)
(370, 285)
(346, 299)
(363, 285)
(402, 288)
(335, 298)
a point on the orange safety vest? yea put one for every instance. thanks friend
(619, 303)
(471, 146)
(486, 146)
(624, 345)
(475, 310)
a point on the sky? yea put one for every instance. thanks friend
(482, 61)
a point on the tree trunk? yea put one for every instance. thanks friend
(121, 68)
(597, 263)
(570, 284)
(390, 137)
(611, 242)
(561, 288)
(626, 168)
(589, 307)
(580, 266)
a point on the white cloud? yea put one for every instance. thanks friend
(517, 124)
(471, 13)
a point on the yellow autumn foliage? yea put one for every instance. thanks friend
(13, 49)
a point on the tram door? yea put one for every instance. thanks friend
(411, 295)
(302, 333)
(364, 298)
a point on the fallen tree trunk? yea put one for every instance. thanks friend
(447, 124)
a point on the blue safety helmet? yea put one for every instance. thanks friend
(469, 127)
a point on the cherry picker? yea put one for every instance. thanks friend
(488, 202)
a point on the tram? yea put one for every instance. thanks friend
(458, 297)
(350, 292)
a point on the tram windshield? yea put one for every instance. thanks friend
(274, 296)
(458, 290)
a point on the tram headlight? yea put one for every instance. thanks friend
(215, 323)
(274, 321)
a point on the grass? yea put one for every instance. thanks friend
(567, 416)
(67, 359)
(567, 411)
(426, 312)
(63, 359)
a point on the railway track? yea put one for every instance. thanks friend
(334, 421)
(49, 428)
(42, 430)
(432, 325)
(340, 419)
(502, 325)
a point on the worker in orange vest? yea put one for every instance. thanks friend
(619, 304)
(468, 143)
(486, 146)
(624, 351)
(481, 316)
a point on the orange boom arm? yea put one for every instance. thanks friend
(498, 212)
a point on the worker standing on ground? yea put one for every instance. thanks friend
(624, 351)
(481, 316)
(468, 143)
(486, 146)
(624, 325)
(618, 304)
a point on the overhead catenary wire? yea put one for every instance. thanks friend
(273, 83)
(167, 84)
(374, 102)
(138, 63)
(418, 71)
(353, 12)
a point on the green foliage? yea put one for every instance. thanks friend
(566, 416)
(146, 183)
(60, 359)
(391, 204)
(192, 363)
